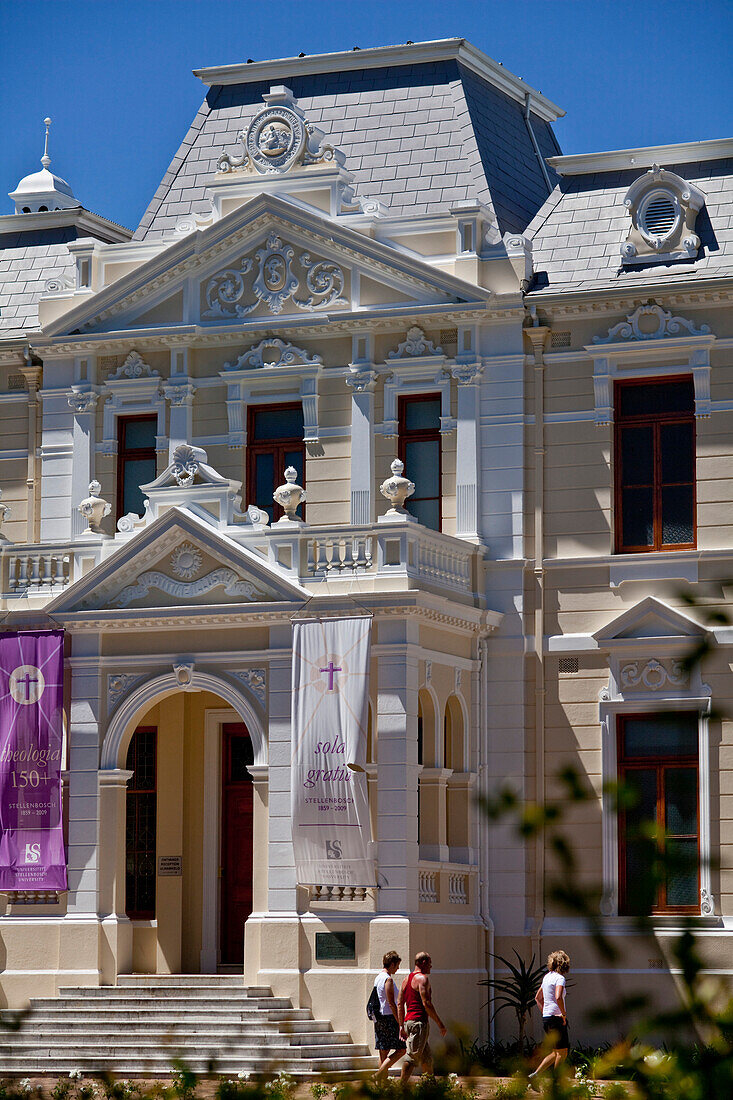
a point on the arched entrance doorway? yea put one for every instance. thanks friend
(190, 824)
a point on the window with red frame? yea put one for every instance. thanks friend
(274, 442)
(136, 464)
(419, 449)
(141, 828)
(659, 830)
(655, 465)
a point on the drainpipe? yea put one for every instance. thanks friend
(483, 771)
(533, 139)
(537, 335)
(32, 375)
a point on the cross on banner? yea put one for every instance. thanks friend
(330, 670)
(27, 680)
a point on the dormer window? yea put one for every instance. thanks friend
(659, 214)
(663, 208)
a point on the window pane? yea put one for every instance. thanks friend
(640, 885)
(678, 456)
(139, 434)
(241, 754)
(637, 517)
(422, 463)
(641, 784)
(678, 518)
(681, 866)
(265, 482)
(680, 801)
(426, 512)
(637, 455)
(422, 415)
(277, 423)
(137, 472)
(294, 458)
(661, 735)
(657, 397)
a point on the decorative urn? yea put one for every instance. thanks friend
(94, 509)
(289, 497)
(397, 489)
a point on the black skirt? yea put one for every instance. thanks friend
(387, 1033)
(554, 1027)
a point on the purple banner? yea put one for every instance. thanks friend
(31, 730)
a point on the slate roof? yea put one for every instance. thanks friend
(27, 260)
(420, 137)
(577, 235)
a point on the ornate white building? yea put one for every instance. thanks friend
(356, 258)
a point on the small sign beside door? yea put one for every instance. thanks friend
(170, 866)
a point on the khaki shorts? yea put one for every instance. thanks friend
(418, 1048)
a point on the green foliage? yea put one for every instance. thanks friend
(516, 992)
(318, 1090)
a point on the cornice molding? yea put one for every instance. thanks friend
(94, 224)
(417, 53)
(598, 303)
(687, 152)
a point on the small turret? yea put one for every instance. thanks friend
(43, 190)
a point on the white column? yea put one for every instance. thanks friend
(179, 391)
(467, 451)
(84, 404)
(57, 452)
(83, 763)
(397, 770)
(281, 870)
(362, 381)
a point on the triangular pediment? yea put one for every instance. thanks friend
(649, 619)
(269, 261)
(178, 561)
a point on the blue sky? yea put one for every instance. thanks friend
(115, 75)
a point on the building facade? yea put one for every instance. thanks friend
(356, 265)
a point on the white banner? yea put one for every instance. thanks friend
(329, 803)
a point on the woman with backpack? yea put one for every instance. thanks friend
(390, 1047)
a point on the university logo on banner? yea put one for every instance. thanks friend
(329, 802)
(31, 731)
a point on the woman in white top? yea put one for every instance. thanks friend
(551, 999)
(390, 1047)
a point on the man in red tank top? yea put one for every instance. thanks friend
(415, 1011)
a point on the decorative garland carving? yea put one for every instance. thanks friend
(666, 325)
(275, 283)
(256, 680)
(232, 584)
(133, 367)
(415, 344)
(654, 675)
(289, 356)
(118, 685)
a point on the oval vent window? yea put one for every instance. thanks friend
(660, 215)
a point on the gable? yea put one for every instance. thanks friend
(179, 561)
(267, 259)
(649, 619)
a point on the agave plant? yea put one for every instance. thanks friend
(517, 991)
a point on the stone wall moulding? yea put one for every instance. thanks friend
(653, 675)
(268, 278)
(119, 684)
(255, 679)
(278, 139)
(134, 366)
(274, 352)
(222, 577)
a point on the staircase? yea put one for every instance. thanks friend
(211, 1023)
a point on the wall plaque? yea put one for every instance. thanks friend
(170, 866)
(335, 945)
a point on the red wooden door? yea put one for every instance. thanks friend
(236, 840)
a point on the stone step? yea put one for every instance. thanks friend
(101, 1033)
(104, 1019)
(114, 992)
(137, 999)
(139, 1027)
(43, 1063)
(172, 980)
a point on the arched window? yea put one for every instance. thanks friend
(453, 736)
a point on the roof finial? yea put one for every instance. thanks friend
(45, 159)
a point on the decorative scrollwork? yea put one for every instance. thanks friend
(185, 464)
(416, 343)
(275, 283)
(324, 280)
(653, 675)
